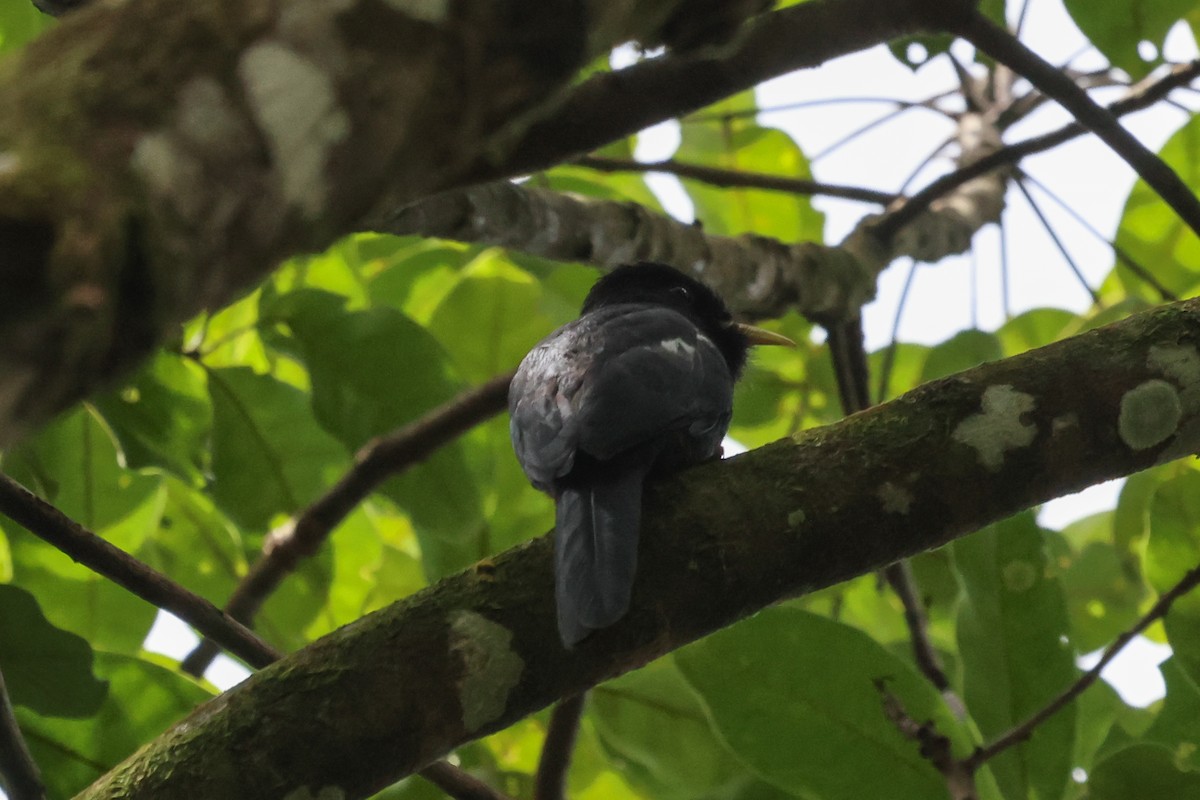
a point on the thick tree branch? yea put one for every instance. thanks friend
(19, 775)
(611, 106)
(759, 277)
(157, 158)
(378, 460)
(478, 651)
(51, 525)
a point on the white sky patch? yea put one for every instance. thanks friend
(172, 638)
(1134, 672)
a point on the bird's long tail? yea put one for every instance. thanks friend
(595, 552)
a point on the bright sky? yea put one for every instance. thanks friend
(1084, 173)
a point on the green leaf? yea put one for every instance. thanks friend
(491, 318)
(1142, 771)
(1176, 725)
(1152, 233)
(1012, 632)
(656, 730)
(1117, 27)
(793, 695)
(45, 668)
(269, 455)
(19, 23)
(741, 144)
(1172, 550)
(1103, 597)
(397, 374)
(962, 351)
(1033, 329)
(162, 417)
(144, 699)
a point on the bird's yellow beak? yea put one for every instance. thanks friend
(760, 336)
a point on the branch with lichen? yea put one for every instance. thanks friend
(479, 650)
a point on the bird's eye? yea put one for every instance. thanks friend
(682, 292)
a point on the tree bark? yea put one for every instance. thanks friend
(381, 697)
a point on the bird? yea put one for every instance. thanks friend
(640, 385)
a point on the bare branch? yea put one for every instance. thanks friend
(934, 746)
(1058, 243)
(19, 774)
(757, 276)
(550, 783)
(51, 525)
(459, 784)
(1024, 730)
(379, 460)
(1124, 256)
(737, 179)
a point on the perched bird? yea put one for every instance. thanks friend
(641, 383)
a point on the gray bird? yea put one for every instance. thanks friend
(640, 384)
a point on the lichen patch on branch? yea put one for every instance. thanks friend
(998, 428)
(1150, 414)
(295, 104)
(491, 669)
(895, 499)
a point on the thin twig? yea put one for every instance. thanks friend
(379, 460)
(550, 783)
(728, 178)
(934, 746)
(1024, 730)
(866, 128)
(889, 355)
(998, 43)
(19, 773)
(1058, 243)
(1123, 255)
(724, 116)
(899, 576)
(49, 524)
(1144, 95)
(458, 783)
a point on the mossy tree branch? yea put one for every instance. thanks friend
(478, 651)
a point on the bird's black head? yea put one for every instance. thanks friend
(659, 284)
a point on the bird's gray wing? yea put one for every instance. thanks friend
(543, 420)
(658, 376)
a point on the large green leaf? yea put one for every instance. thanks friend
(1177, 725)
(491, 318)
(793, 695)
(656, 729)
(1152, 233)
(269, 455)
(144, 699)
(1144, 772)
(397, 373)
(162, 417)
(73, 463)
(1012, 633)
(20, 22)
(739, 143)
(962, 351)
(45, 668)
(1172, 550)
(1118, 27)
